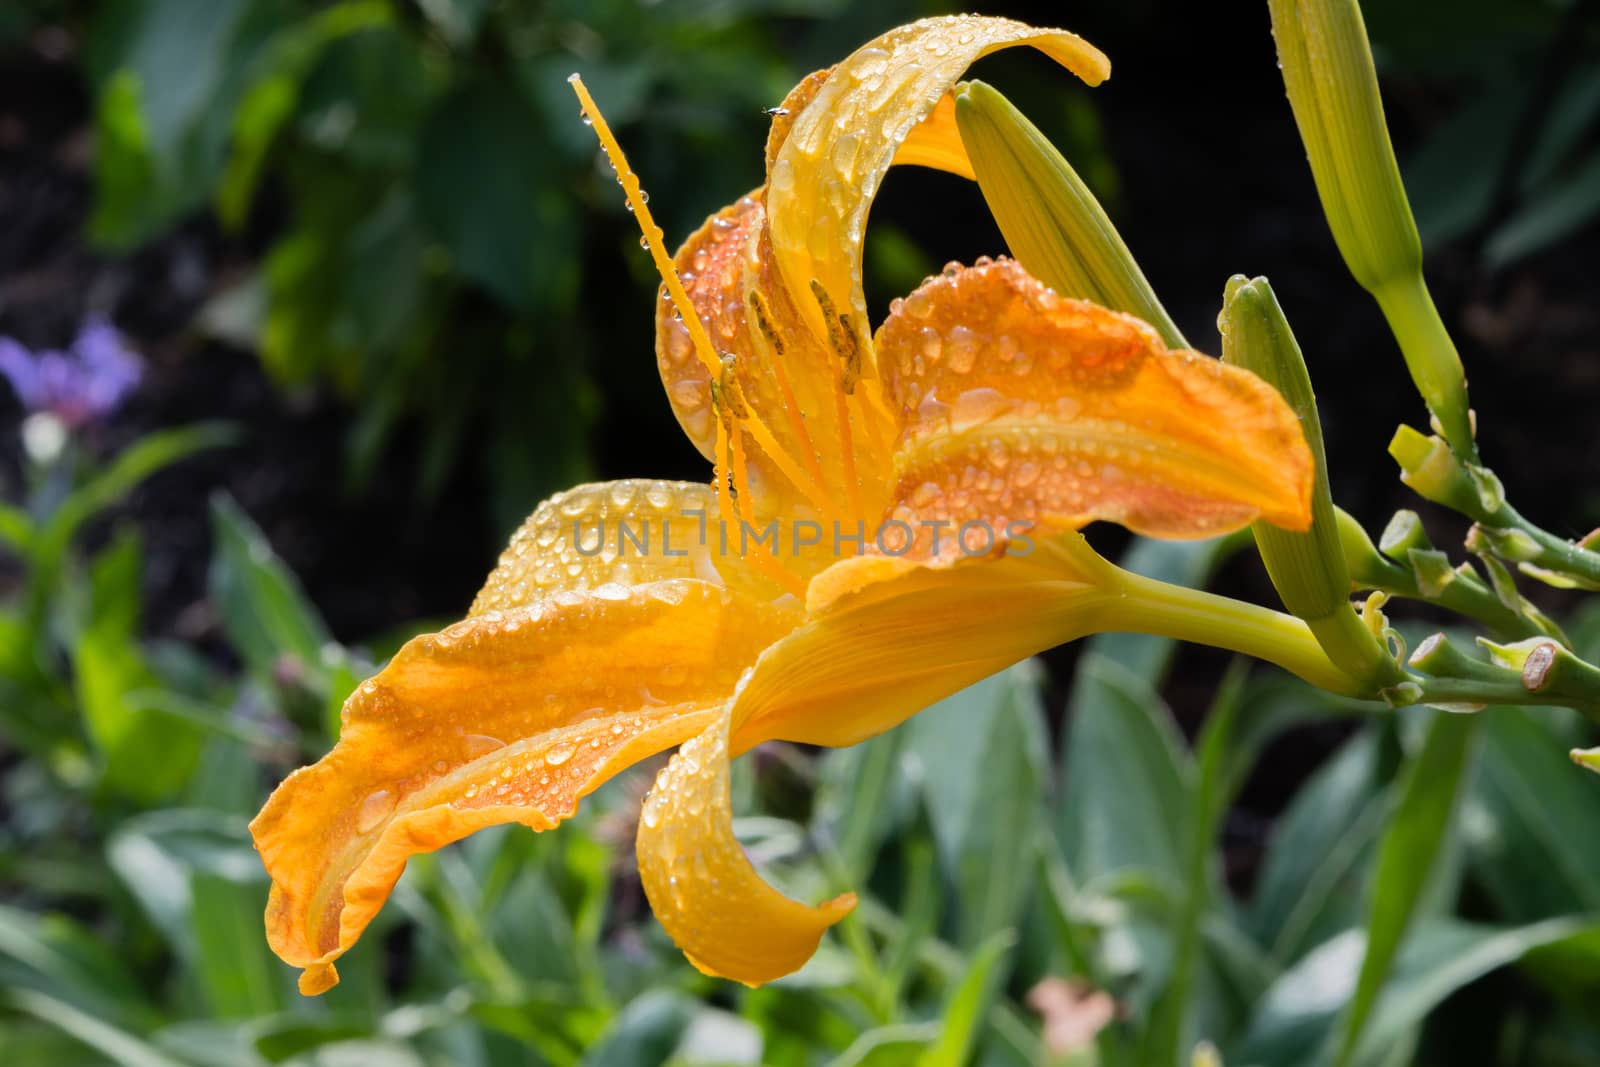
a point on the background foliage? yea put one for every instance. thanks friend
(388, 210)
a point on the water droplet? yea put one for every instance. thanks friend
(962, 349)
(775, 111)
(374, 810)
(481, 745)
(644, 243)
(472, 791)
(558, 755)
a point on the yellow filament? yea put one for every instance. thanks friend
(707, 354)
(652, 232)
(767, 565)
(797, 422)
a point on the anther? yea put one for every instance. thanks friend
(763, 315)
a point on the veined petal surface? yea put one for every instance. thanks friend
(1025, 410)
(508, 716)
(888, 638)
(702, 886)
(822, 181)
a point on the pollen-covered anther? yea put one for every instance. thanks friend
(728, 394)
(763, 317)
(841, 338)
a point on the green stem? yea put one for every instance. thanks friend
(1555, 553)
(1431, 356)
(1153, 607)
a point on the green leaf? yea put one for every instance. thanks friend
(1527, 812)
(981, 754)
(1314, 866)
(131, 466)
(969, 1003)
(1407, 858)
(1295, 1018)
(896, 1045)
(1175, 1018)
(1561, 208)
(485, 186)
(54, 956)
(16, 529)
(265, 613)
(169, 73)
(646, 1031)
(116, 1044)
(1124, 806)
(145, 756)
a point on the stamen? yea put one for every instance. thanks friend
(839, 336)
(780, 375)
(764, 563)
(729, 395)
(647, 223)
(840, 396)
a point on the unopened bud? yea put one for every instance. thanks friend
(1052, 222)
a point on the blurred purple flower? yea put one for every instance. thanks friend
(84, 383)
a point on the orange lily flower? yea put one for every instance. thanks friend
(890, 521)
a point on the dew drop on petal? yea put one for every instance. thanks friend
(374, 810)
(558, 755)
(481, 745)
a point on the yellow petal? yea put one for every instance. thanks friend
(936, 143)
(893, 637)
(887, 638)
(821, 184)
(779, 384)
(1024, 410)
(509, 716)
(624, 532)
(702, 887)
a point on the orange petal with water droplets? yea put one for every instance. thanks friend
(1025, 410)
(509, 716)
(887, 638)
(821, 183)
(618, 533)
(703, 888)
(936, 143)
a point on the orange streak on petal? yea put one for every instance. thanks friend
(1027, 411)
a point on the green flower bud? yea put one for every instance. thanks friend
(1052, 222)
(1308, 569)
(1333, 89)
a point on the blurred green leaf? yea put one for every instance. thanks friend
(485, 187)
(646, 1031)
(1124, 805)
(116, 1044)
(1309, 881)
(1296, 1016)
(56, 957)
(897, 1045)
(151, 454)
(964, 1013)
(1407, 855)
(1528, 812)
(265, 613)
(1559, 209)
(981, 757)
